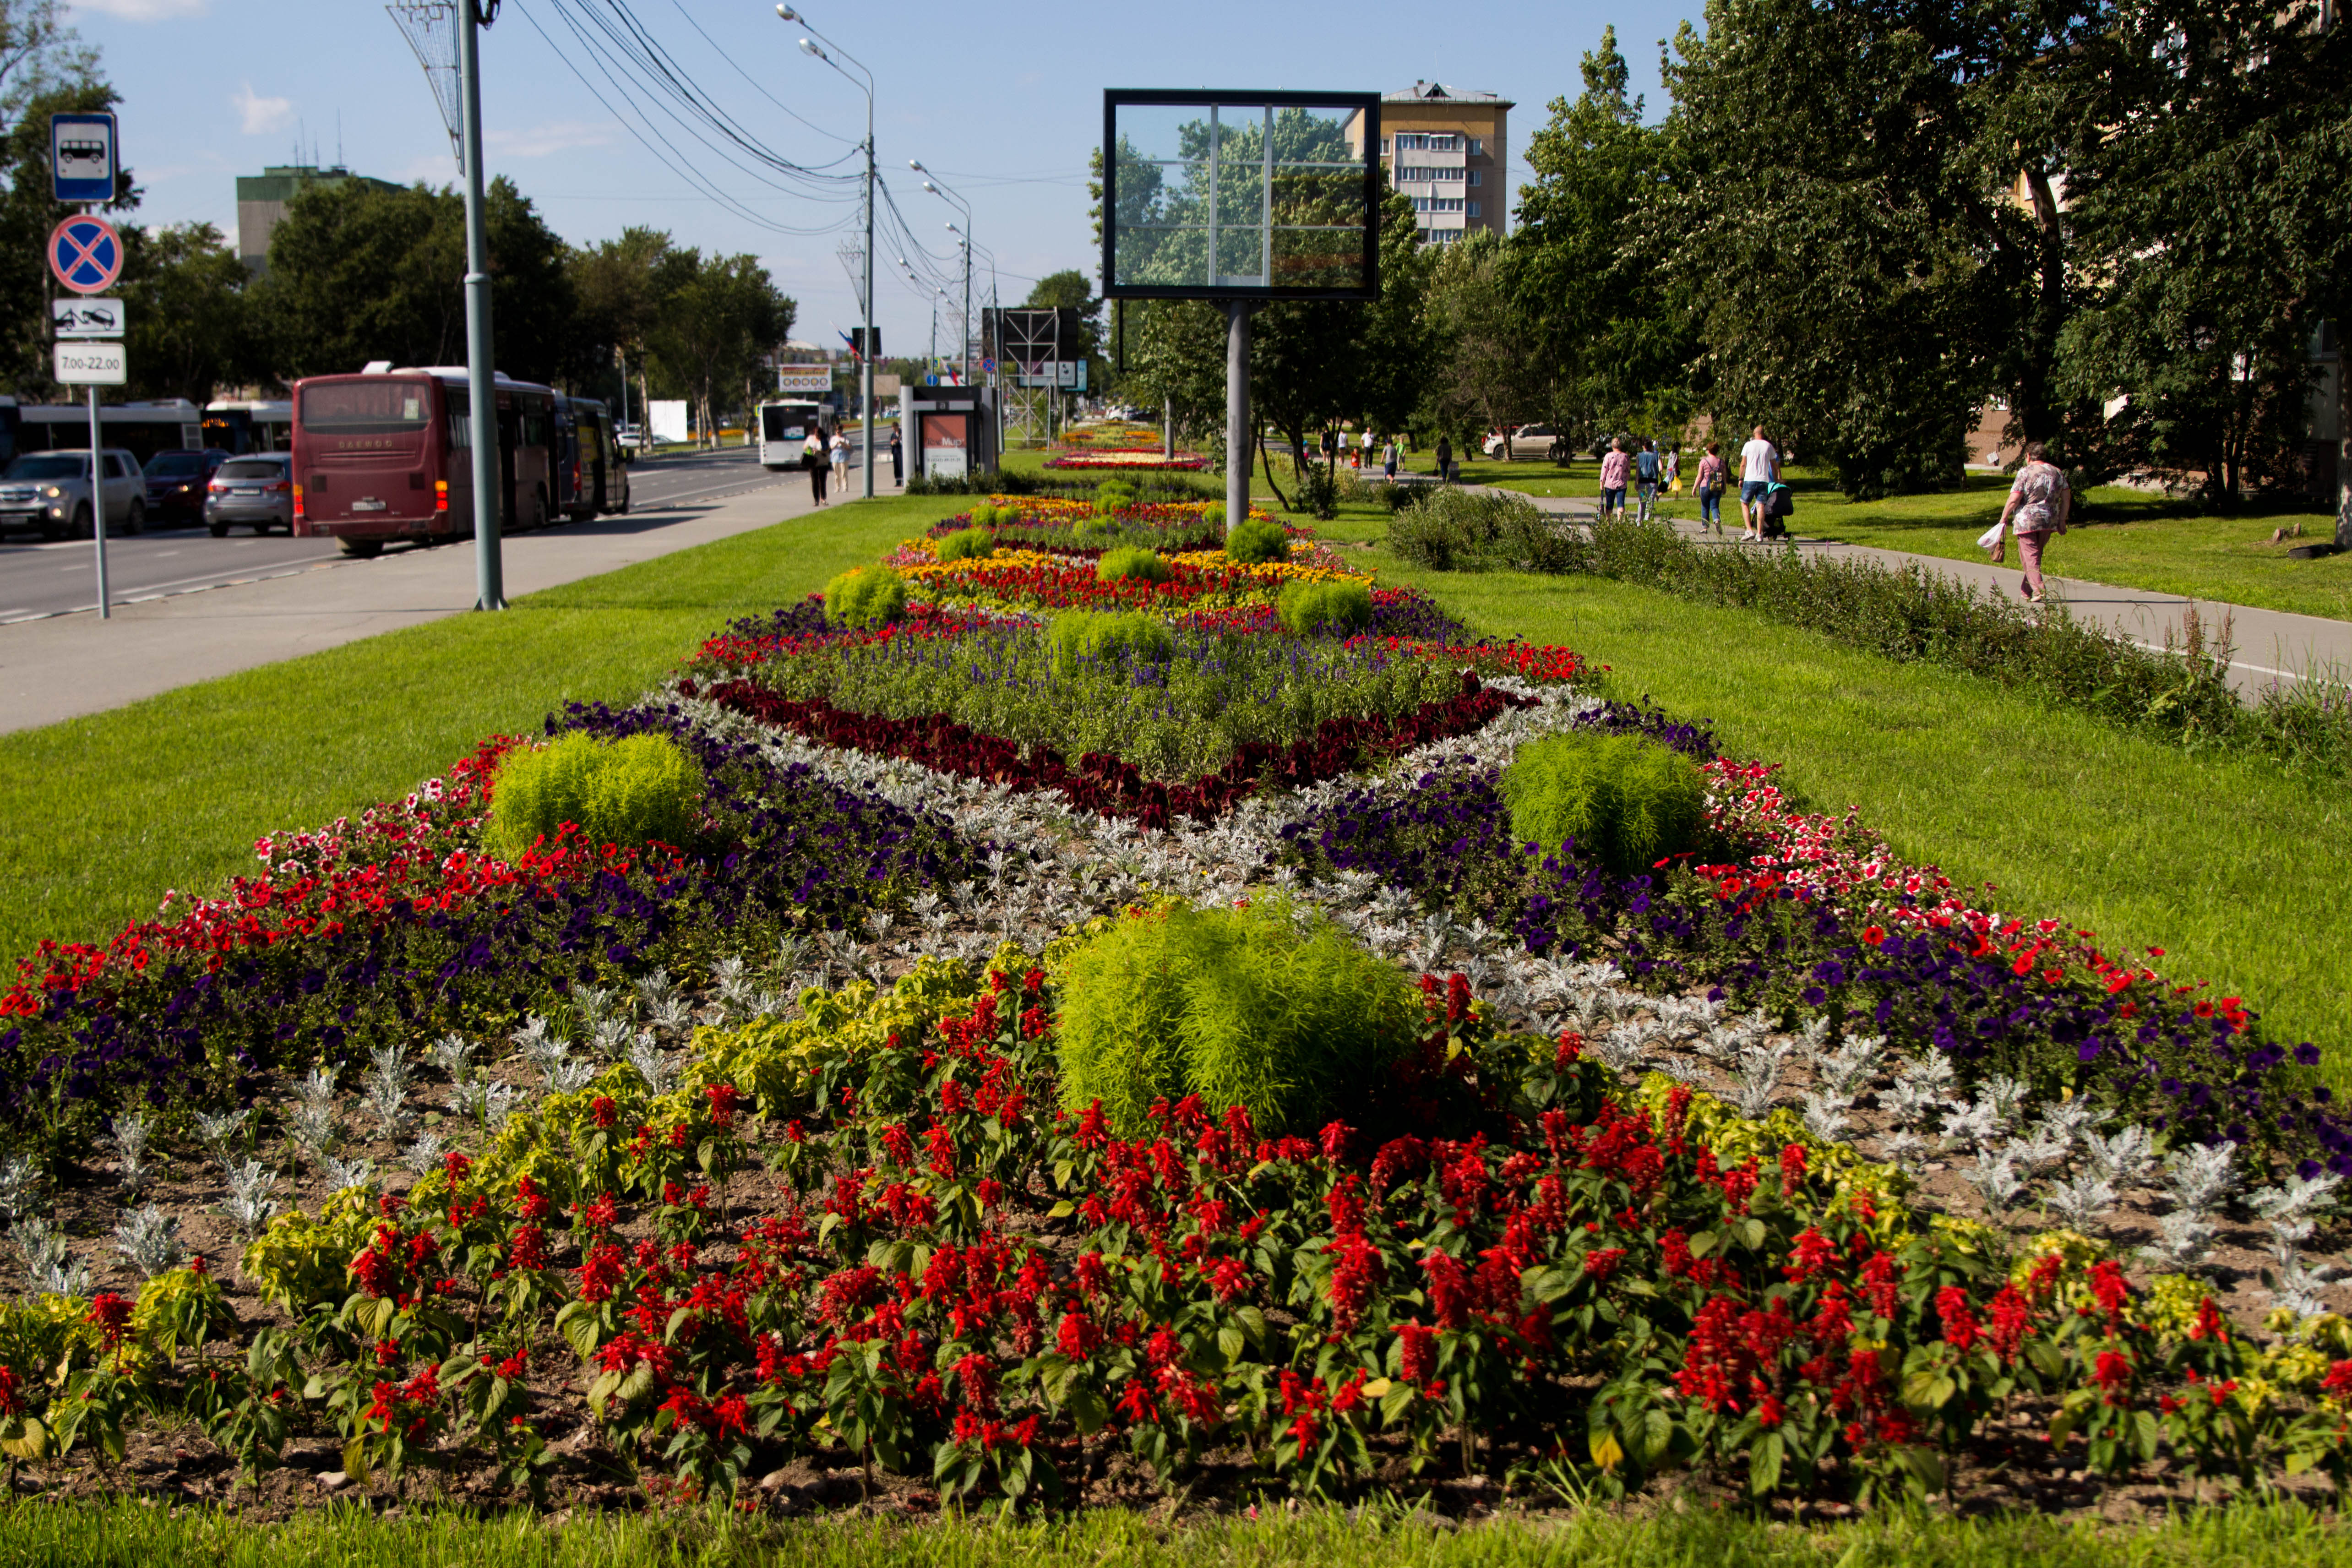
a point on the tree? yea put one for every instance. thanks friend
(1603, 337)
(360, 273)
(1486, 377)
(619, 287)
(717, 325)
(1864, 270)
(2214, 215)
(190, 331)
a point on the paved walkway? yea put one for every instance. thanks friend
(69, 665)
(2266, 646)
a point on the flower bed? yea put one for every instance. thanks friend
(1131, 459)
(784, 1161)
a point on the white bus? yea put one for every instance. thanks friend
(783, 426)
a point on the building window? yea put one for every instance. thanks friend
(1478, 146)
(1417, 173)
(1384, 146)
(1441, 143)
(1474, 209)
(1474, 178)
(1437, 204)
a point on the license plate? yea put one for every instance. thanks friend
(245, 491)
(369, 505)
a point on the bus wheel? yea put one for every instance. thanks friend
(360, 549)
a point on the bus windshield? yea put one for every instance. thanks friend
(367, 407)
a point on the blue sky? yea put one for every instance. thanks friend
(1004, 102)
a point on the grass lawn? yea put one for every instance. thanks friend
(112, 809)
(129, 1535)
(2211, 859)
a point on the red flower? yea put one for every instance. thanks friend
(2209, 1324)
(605, 1110)
(2113, 1291)
(2012, 1319)
(1792, 1169)
(1960, 1327)
(1810, 1252)
(1602, 1262)
(1417, 1352)
(2113, 1374)
(724, 1098)
(527, 1249)
(1080, 1336)
(2337, 1385)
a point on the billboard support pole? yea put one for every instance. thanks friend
(1237, 414)
(490, 576)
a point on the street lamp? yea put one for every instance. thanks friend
(811, 48)
(964, 234)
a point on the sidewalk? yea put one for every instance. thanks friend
(74, 665)
(2266, 646)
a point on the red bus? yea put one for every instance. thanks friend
(379, 458)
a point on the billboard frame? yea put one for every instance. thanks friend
(1368, 104)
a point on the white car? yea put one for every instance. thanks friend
(1526, 438)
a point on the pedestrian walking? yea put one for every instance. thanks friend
(1444, 457)
(1331, 450)
(1364, 457)
(2039, 501)
(1713, 471)
(1614, 466)
(1646, 469)
(898, 459)
(1674, 470)
(813, 459)
(839, 452)
(1389, 454)
(1760, 471)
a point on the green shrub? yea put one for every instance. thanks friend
(985, 516)
(1626, 801)
(1253, 541)
(1129, 636)
(634, 790)
(866, 596)
(1133, 561)
(1341, 607)
(1112, 497)
(1249, 1007)
(1214, 513)
(1454, 529)
(966, 544)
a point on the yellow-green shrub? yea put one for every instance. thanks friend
(1627, 801)
(972, 543)
(300, 1260)
(1250, 1006)
(636, 790)
(1129, 637)
(1335, 606)
(866, 596)
(1132, 562)
(1257, 540)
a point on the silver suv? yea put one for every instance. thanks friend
(50, 491)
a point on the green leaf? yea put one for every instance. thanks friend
(1764, 1465)
(1231, 1340)
(1703, 1243)
(1088, 1410)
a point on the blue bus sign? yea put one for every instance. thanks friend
(82, 157)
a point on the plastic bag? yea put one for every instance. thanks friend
(1990, 538)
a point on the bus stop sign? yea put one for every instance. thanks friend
(86, 254)
(81, 157)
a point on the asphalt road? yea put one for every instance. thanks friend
(38, 580)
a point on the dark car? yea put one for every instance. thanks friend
(254, 491)
(175, 485)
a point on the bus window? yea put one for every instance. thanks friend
(365, 407)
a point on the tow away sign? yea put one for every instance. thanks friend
(86, 318)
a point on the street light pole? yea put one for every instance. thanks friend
(815, 47)
(490, 576)
(964, 237)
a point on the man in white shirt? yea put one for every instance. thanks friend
(1759, 469)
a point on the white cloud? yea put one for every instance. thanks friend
(144, 10)
(555, 136)
(261, 115)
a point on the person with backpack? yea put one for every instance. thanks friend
(1713, 471)
(1614, 466)
(813, 459)
(1444, 457)
(1389, 456)
(1760, 471)
(1646, 469)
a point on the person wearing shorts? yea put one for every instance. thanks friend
(1614, 466)
(1760, 468)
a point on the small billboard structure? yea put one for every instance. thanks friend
(1241, 197)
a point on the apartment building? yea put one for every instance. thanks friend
(1445, 148)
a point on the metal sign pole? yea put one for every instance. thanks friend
(490, 576)
(97, 508)
(1237, 414)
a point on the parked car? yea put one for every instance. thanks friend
(1527, 441)
(176, 484)
(257, 492)
(50, 491)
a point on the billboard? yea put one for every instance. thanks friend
(1222, 195)
(666, 419)
(816, 380)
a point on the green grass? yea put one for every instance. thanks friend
(132, 1534)
(2216, 860)
(110, 810)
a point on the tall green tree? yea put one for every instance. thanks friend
(620, 287)
(360, 273)
(2214, 217)
(1851, 230)
(1604, 334)
(190, 328)
(716, 326)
